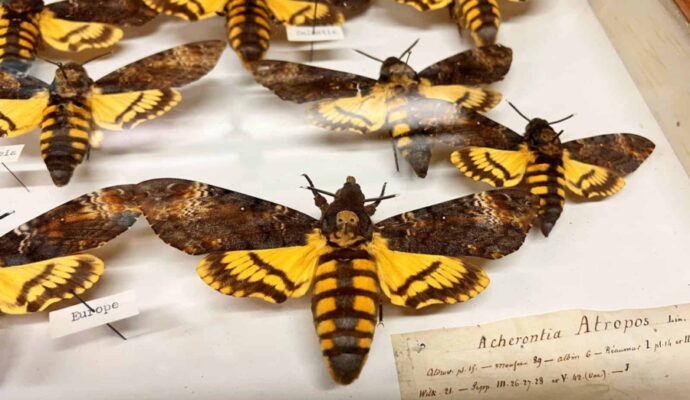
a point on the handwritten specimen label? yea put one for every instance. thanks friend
(314, 33)
(581, 354)
(10, 154)
(104, 310)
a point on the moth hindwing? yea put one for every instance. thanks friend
(38, 266)
(68, 25)
(248, 22)
(407, 106)
(265, 250)
(590, 168)
(73, 107)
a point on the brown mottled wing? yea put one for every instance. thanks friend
(472, 67)
(13, 86)
(488, 224)
(302, 83)
(619, 152)
(84, 223)
(116, 12)
(469, 128)
(170, 68)
(198, 218)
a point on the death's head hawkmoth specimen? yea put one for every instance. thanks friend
(256, 248)
(39, 264)
(69, 25)
(72, 108)
(590, 168)
(481, 17)
(248, 22)
(402, 103)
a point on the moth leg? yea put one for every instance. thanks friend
(371, 208)
(319, 200)
(380, 323)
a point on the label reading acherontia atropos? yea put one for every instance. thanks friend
(10, 154)
(106, 309)
(579, 354)
(315, 33)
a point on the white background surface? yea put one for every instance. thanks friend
(191, 342)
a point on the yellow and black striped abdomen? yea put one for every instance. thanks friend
(414, 147)
(19, 37)
(249, 29)
(66, 127)
(481, 17)
(344, 306)
(545, 178)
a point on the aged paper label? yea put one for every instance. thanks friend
(314, 33)
(99, 312)
(581, 354)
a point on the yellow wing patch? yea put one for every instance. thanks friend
(420, 280)
(188, 9)
(34, 287)
(18, 117)
(590, 181)
(118, 111)
(292, 12)
(474, 98)
(65, 35)
(499, 168)
(359, 114)
(425, 5)
(273, 275)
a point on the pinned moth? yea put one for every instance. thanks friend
(248, 22)
(590, 168)
(481, 17)
(71, 109)
(38, 264)
(265, 250)
(69, 25)
(403, 104)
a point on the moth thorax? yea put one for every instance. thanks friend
(24, 6)
(395, 71)
(71, 81)
(542, 138)
(347, 228)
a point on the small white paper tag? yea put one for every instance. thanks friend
(106, 309)
(315, 33)
(10, 154)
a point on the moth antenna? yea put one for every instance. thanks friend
(518, 111)
(49, 61)
(317, 190)
(369, 56)
(319, 200)
(379, 199)
(97, 57)
(562, 119)
(7, 214)
(557, 136)
(409, 49)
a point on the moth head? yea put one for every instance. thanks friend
(71, 80)
(24, 6)
(394, 70)
(346, 218)
(539, 133)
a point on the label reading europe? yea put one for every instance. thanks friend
(102, 311)
(315, 33)
(10, 154)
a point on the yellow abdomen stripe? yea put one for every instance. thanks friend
(248, 28)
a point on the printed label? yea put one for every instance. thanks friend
(315, 33)
(10, 154)
(79, 317)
